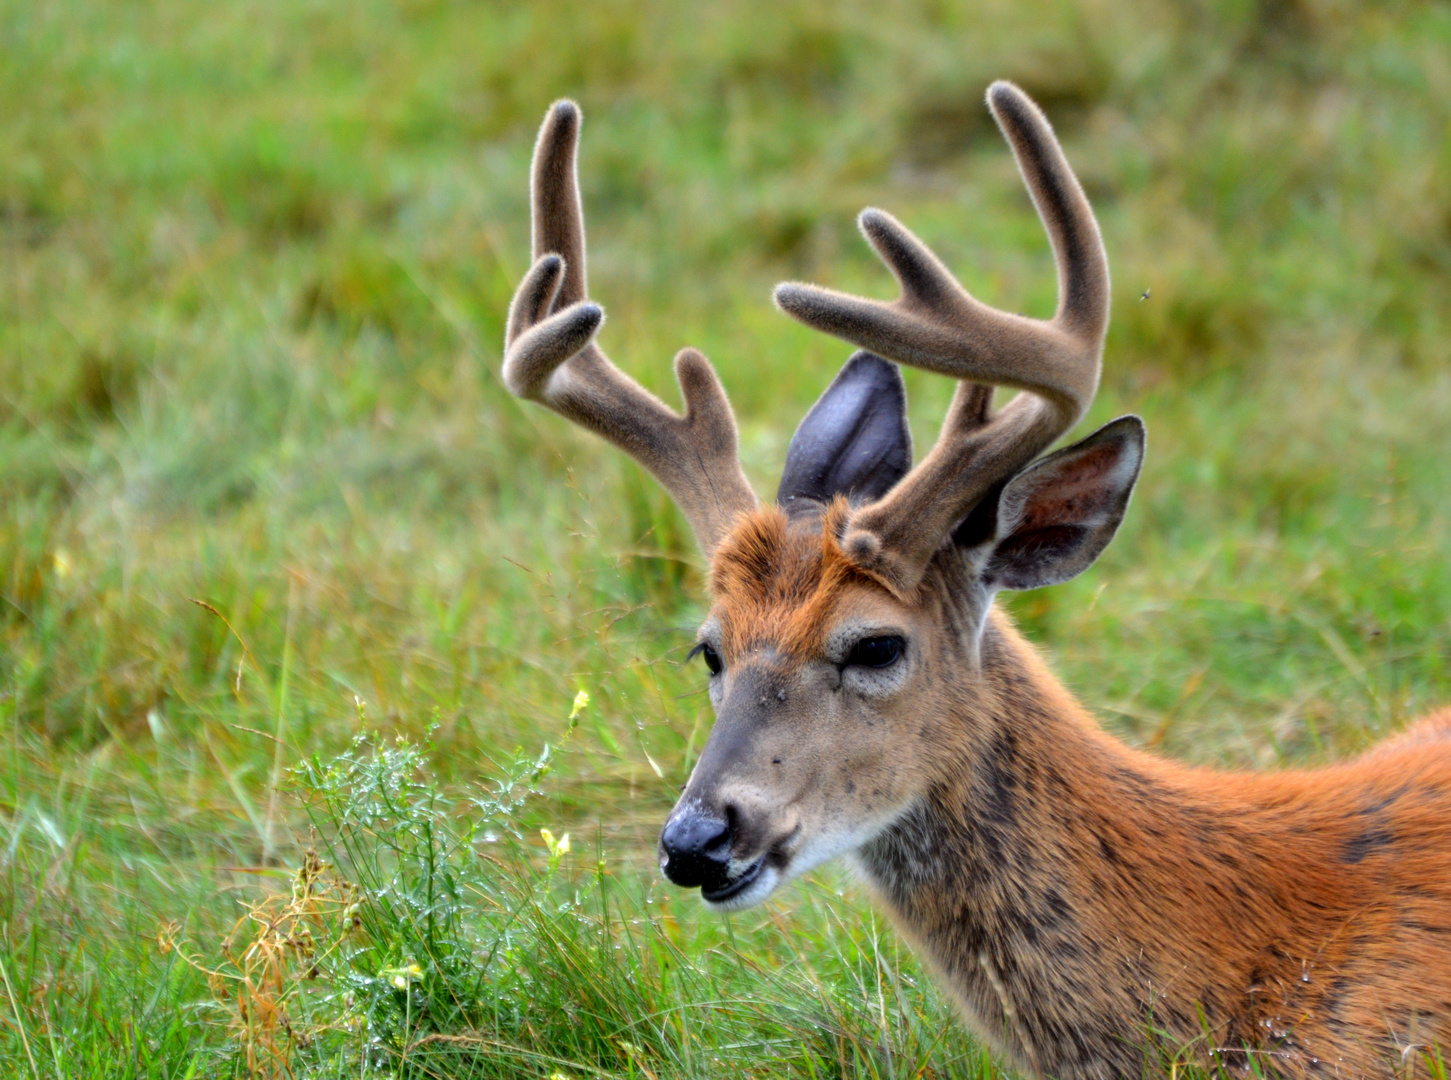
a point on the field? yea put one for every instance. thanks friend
(262, 490)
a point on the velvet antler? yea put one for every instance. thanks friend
(936, 325)
(551, 357)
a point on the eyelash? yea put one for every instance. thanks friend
(712, 658)
(873, 652)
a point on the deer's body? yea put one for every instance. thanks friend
(1088, 904)
(1077, 895)
(1095, 911)
(1092, 909)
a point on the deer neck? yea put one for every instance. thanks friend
(1070, 891)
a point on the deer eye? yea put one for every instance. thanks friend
(712, 658)
(875, 652)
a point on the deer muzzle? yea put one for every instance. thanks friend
(731, 833)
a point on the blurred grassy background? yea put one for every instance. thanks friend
(256, 262)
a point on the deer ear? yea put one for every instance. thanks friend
(854, 441)
(1055, 517)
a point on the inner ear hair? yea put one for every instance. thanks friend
(1053, 519)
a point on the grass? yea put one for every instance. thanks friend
(256, 260)
(440, 946)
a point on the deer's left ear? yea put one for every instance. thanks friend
(854, 441)
(1055, 517)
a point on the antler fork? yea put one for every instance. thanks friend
(551, 357)
(938, 326)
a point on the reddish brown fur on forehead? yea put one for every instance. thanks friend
(777, 583)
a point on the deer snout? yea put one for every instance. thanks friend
(695, 849)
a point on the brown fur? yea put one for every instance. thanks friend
(1084, 901)
(782, 586)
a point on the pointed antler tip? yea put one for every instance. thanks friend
(791, 296)
(560, 127)
(872, 218)
(1012, 107)
(1003, 95)
(1002, 90)
(564, 109)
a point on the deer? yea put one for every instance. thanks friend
(1093, 910)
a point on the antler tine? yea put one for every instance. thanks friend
(556, 214)
(936, 325)
(551, 357)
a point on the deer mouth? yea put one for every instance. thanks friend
(756, 881)
(736, 885)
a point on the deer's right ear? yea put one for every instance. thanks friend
(1055, 517)
(854, 441)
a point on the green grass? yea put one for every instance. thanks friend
(256, 258)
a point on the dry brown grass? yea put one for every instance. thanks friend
(270, 960)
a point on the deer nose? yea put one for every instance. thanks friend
(695, 850)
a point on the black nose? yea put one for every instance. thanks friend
(695, 849)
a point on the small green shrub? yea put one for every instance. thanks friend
(429, 934)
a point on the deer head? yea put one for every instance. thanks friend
(843, 641)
